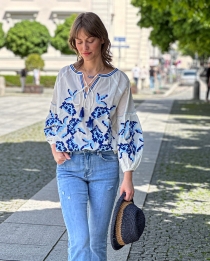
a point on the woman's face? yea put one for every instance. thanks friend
(89, 47)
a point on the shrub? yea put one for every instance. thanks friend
(60, 40)
(14, 80)
(27, 37)
(2, 36)
(34, 61)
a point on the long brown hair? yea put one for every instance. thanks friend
(93, 26)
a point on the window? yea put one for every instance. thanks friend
(13, 17)
(59, 16)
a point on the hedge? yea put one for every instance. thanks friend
(14, 80)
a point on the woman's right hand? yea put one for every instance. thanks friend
(59, 157)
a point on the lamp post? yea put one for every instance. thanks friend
(173, 54)
(171, 76)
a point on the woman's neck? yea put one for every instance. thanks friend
(92, 68)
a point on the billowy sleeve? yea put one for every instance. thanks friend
(52, 121)
(130, 137)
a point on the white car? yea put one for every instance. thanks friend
(188, 77)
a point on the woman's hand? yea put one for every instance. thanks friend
(59, 157)
(127, 186)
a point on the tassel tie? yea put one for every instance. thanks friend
(90, 123)
(82, 114)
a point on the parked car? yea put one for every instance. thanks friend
(188, 77)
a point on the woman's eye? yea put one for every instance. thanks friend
(91, 41)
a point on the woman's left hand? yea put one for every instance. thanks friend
(127, 186)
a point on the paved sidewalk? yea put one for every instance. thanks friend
(177, 206)
(36, 231)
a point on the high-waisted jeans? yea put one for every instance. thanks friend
(88, 177)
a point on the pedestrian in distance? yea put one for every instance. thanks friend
(208, 82)
(152, 77)
(143, 75)
(92, 128)
(36, 73)
(23, 74)
(159, 77)
(136, 74)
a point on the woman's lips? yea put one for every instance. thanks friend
(86, 54)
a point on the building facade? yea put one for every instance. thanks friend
(130, 44)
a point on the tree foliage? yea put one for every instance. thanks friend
(60, 40)
(27, 37)
(34, 61)
(185, 21)
(2, 36)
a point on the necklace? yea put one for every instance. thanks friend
(87, 85)
(93, 76)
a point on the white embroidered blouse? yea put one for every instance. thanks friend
(101, 119)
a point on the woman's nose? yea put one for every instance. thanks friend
(85, 46)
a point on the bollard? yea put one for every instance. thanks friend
(196, 90)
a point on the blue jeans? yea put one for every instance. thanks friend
(88, 177)
(136, 81)
(152, 82)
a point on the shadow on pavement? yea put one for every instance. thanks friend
(177, 207)
(26, 167)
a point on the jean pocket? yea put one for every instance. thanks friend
(63, 163)
(109, 156)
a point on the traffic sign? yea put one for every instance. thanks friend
(120, 46)
(119, 39)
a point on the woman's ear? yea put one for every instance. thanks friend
(102, 41)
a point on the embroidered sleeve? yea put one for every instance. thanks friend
(52, 121)
(130, 137)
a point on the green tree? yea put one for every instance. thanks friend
(60, 40)
(27, 37)
(34, 61)
(2, 36)
(185, 21)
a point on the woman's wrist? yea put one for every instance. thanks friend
(128, 175)
(53, 147)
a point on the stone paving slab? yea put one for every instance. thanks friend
(23, 253)
(20, 111)
(31, 234)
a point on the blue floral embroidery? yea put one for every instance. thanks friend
(69, 108)
(49, 132)
(141, 146)
(97, 135)
(60, 146)
(128, 130)
(72, 146)
(72, 127)
(101, 140)
(129, 149)
(89, 144)
(53, 121)
(101, 111)
(105, 147)
(108, 134)
(62, 125)
(72, 95)
(100, 98)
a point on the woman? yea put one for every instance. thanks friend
(92, 127)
